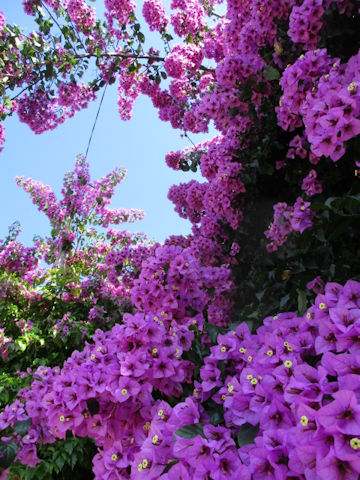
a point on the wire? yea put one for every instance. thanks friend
(96, 118)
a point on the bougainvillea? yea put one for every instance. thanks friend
(170, 360)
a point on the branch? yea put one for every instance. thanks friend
(154, 58)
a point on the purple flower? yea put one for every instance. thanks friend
(336, 468)
(341, 415)
(316, 285)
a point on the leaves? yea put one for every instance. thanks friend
(302, 301)
(141, 37)
(8, 452)
(22, 426)
(247, 434)
(191, 431)
(170, 465)
(270, 73)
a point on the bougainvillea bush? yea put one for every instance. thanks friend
(230, 353)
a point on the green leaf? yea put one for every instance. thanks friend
(8, 453)
(141, 37)
(270, 73)
(319, 207)
(246, 434)
(68, 447)
(170, 465)
(213, 332)
(59, 461)
(302, 301)
(284, 300)
(22, 426)
(216, 418)
(191, 431)
(73, 459)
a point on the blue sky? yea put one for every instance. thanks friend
(140, 145)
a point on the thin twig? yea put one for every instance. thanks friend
(96, 118)
(154, 58)
(186, 135)
(216, 15)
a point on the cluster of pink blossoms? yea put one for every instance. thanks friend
(81, 197)
(181, 59)
(83, 203)
(6, 110)
(297, 80)
(29, 5)
(4, 344)
(331, 113)
(82, 15)
(311, 185)
(287, 219)
(41, 112)
(297, 379)
(128, 92)
(211, 204)
(14, 257)
(155, 15)
(173, 284)
(322, 95)
(131, 352)
(120, 12)
(305, 23)
(189, 18)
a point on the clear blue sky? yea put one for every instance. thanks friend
(139, 145)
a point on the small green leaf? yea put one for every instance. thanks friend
(22, 426)
(246, 434)
(284, 300)
(318, 207)
(8, 453)
(191, 431)
(68, 447)
(302, 301)
(59, 462)
(270, 73)
(170, 465)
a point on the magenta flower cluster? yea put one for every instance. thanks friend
(155, 15)
(287, 219)
(294, 383)
(296, 378)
